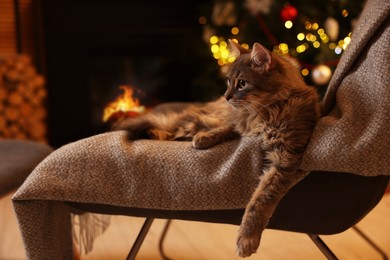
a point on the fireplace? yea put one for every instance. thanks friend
(94, 47)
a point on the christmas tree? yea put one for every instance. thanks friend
(312, 33)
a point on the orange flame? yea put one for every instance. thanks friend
(123, 104)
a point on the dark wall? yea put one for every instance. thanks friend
(94, 46)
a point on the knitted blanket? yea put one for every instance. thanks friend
(109, 169)
(352, 137)
(353, 134)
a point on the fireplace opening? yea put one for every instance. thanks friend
(94, 47)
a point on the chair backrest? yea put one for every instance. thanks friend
(328, 203)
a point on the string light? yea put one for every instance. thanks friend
(316, 44)
(283, 47)
(301, 36)
(288, 24)
(235, 30)
(246, 46)
(305, 72)
(313, 36)
(213, 39)
(202, 20)
(301, 48)
(219, 48)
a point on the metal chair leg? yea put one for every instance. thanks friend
(162, 239)
(323, 247)
(369, 241)
(140, 238)
(315, 238)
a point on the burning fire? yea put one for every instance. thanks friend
(124, 105)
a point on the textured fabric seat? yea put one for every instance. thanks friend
(17, 160)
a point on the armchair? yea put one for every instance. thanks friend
(108, 174)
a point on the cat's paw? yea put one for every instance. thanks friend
(203, 141)
(247, 242)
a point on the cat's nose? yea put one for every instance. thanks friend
(228, 96)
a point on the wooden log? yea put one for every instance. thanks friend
(22, 100)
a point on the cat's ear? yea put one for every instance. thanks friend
(236, 49)
(261, 57)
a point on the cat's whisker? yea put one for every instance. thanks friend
(261, 104)
(250, 109)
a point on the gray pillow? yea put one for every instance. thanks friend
(17, 159)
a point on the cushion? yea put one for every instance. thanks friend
(17, 159)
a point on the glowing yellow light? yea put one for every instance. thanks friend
(220, 51)
(224, 54)
(312, 38)
(308, 26)
(221, 62)
(305, 72)
(288, 24)
(316, 44)
(321, 31)
(301, 36)
(332, 46)
(231, 59)
(213, 39)
(214, 48)
(245, 46)
(324, 38)
(315, 26)
(301, 48)
(284, 48)
(222, 44)
(344, 13)
(202, 20)
(235, 30)
(347, 40)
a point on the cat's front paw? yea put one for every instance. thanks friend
(202, 141)
(247, 242)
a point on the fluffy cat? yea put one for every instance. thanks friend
(265, 96)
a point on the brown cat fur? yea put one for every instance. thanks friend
(265, 96)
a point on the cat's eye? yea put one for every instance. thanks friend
(241, 84)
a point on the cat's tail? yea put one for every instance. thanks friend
(137, 128)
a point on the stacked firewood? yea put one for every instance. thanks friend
(22, 100)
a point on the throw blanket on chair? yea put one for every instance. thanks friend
(353, 134)
(109, 169)
(352, 137)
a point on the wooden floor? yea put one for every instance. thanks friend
(194, 240)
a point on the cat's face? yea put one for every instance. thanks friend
(254, 78)
(246, 75)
